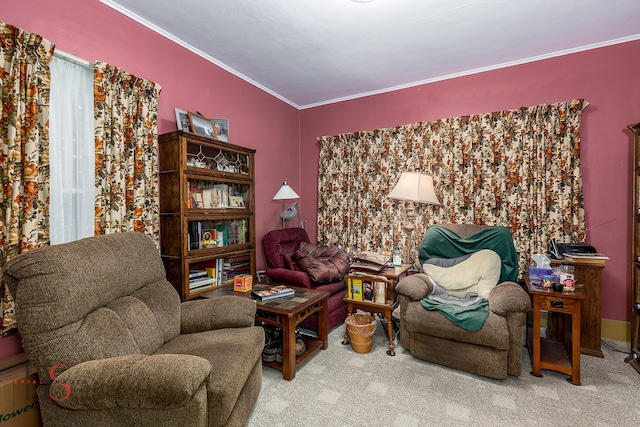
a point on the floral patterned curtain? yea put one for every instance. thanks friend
(517, 168)
(126, 130)
(24, 149)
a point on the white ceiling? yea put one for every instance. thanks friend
(314, 52)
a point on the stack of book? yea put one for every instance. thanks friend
(199, 279)
(235, 265)
(371, 262)
(278, 291)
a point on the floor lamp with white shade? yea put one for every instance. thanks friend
(413, 187)
(285, 193)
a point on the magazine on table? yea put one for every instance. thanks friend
(278, 291)
(375, 258)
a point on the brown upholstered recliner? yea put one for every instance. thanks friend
(495, 350)
(278, 246)
(114, 346)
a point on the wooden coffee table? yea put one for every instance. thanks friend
(287, 313)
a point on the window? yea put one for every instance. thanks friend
(71, 150)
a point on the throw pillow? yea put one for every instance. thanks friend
(323, 264)
(478, 274)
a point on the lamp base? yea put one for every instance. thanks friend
(409, 226)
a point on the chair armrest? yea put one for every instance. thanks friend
(508, 297)
(415, 287)
(159, 381)
(227, 311)
(292, 277)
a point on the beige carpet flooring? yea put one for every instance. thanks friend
(338, 387)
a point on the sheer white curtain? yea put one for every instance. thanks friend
(71, 150)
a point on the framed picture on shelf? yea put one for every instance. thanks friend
(221, 127)
(201, 125)
(196, 199)
(236, 201)
(182, 120)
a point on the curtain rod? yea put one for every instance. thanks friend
(72, 58)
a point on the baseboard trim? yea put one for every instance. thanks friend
(616, 330)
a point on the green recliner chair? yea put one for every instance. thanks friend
(494, 348)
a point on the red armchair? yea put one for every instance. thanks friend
(278, 246)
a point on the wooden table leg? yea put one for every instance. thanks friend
(535, 370)
(391, 351)
(288, 349)
(345, 339)
(575, 345)
(323, 326)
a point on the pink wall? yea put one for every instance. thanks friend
(607, 78)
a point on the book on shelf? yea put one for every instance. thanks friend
(380, 293)
(242, 231)
(235, 270)
(219, 276)
(277, 291)
(201, 282)
(237, 259)
(194, 235)
(222, 234)
(368, 288)
(232, 233)
(236, 263)
(354, 286)
(197, 273)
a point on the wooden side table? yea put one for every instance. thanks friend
(589, 275)
(390, 276)
(394, 274)
(564, 355)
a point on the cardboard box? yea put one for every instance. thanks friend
(243, 283)
(18, 400)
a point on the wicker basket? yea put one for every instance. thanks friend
(361, 328)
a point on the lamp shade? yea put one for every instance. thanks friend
(415, 187)
(285, 192)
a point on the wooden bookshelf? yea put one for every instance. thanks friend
(207, 202)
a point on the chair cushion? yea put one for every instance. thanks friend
(477, 274)
(323, 264)
(494, 333)
(232, 352)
